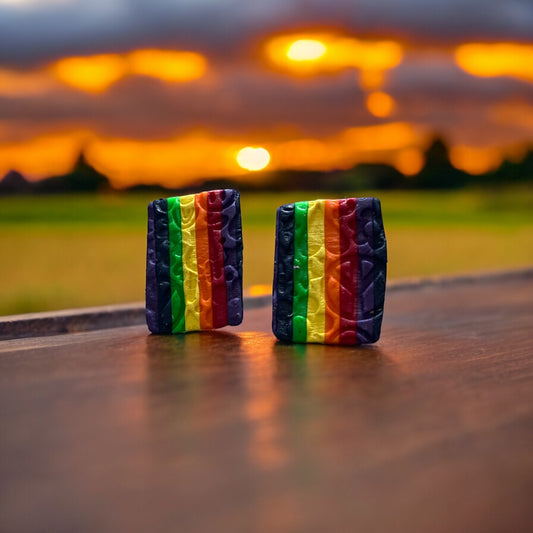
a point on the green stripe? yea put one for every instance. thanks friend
(176, 266)
(301, 276)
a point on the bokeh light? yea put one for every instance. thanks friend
(95, 74)
(329, 52)
(306, 50)
(380, 104)
(475, 159)
(252, 158)
(317, 99)
(409, 161)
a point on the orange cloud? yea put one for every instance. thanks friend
(95, 74)
(172, 162)
(380, 143)
(409, 161)
(43, 155)
(496, 59)
(474, 159)
(167, 65)
(313, 53)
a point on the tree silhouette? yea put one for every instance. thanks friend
(14, 183)
(82, 178)
(438, 171)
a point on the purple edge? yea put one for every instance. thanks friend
(231, 271)
(365, 293)
(151, 279)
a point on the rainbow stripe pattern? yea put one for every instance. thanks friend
(194, 262)
(330, 272)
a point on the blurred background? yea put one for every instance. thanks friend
(106, 105)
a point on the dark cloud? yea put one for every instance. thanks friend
(259, 104)
(223, 28)
(241, 97)
(234, 102)
(438, 77)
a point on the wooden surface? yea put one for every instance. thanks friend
(429, 430)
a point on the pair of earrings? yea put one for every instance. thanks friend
(329, 267)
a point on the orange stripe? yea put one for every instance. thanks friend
(332, 270)
(202, 257)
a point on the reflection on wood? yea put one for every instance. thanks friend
(428, 430)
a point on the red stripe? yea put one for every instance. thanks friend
(216, 258)
(349, 262)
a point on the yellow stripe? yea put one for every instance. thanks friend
(190, 266)
(316, 305)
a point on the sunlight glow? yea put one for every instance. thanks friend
(496, 59)
(181, 160)
(380, 104)
(328, 52)
(306, 50)
(253, 159)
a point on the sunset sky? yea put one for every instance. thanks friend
(169, 91)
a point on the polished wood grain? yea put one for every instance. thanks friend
(429, 430)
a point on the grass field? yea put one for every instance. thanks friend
(71, 251)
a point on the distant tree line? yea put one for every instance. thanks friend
(82, 178)
(436, 173)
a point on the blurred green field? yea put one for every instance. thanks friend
(73, 251)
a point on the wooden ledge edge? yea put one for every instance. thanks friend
(459, 279)
(132, 314)
(87, 319)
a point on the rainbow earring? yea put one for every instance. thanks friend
(194, 262)
(329, 272)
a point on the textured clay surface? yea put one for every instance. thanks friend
(176, 265)
(329, 274)
(162, 266)
(194, 262)
(349, 282)
(151, 280)
(232, 243)
(372, 259)
(282, 294)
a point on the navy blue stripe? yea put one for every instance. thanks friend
(151, 277)
(364, 213)
(164, 300)
(232, 244)
(283, 290)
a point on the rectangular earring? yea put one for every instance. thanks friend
(194, 262)
(329, 272)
